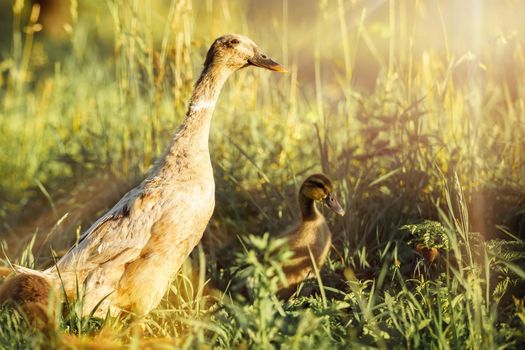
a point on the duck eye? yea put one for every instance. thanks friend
(234, 41)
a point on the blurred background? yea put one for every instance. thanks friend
(393, 99)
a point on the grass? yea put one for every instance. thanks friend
(418, 119)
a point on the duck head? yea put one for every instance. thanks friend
(235, 51)
(319, 188)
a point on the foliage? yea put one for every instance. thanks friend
(429, 233)
(17, 333)
(423, 138)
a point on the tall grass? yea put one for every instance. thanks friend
(414, 116)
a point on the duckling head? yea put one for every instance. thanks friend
(318, 187)
(235, 51)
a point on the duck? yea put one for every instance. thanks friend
(311, 234)
(127, 258)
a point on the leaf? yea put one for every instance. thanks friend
(423, 323)
(384, 177)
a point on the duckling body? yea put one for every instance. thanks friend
(312, 234)
(25, 288)
(127, 258)
(31, 293)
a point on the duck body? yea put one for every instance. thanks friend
(132, 253)
(127, 258)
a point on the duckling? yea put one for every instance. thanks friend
(128, 257)
(31, 293)
(311, 234)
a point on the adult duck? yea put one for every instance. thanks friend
(128, 257)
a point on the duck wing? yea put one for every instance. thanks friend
(115, 238)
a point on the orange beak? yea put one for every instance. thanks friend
(263, 61)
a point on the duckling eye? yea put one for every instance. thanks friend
(234, 41)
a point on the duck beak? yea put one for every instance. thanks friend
(263, 61)
(331, 202)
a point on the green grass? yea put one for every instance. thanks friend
(418, 118)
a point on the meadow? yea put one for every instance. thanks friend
(416, 110)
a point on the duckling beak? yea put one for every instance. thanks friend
(263, 61)
(331, 202)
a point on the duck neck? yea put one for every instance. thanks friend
(308, 209)
(191, 140)
(197, 122)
